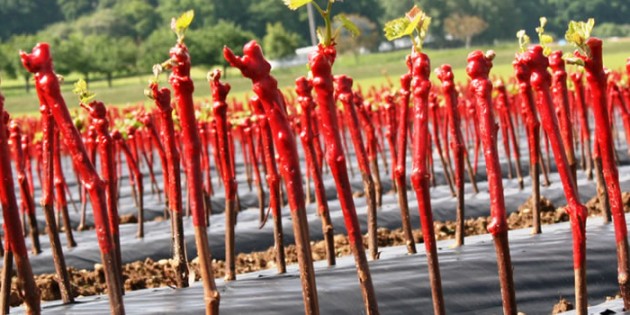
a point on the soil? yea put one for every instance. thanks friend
(562, 306)
(152, 274)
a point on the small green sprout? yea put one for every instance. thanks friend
(523, 40)
(578, 33)
(181, 24)
(326, 35)
(414, 24)
(543, 38)
(81, 90)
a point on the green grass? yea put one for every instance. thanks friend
(367, 70)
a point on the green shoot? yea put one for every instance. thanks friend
(181, 24)
(523, 40)
(414, 24)
(326, 36)
(578, 33)
(543, 38)
(81, 90)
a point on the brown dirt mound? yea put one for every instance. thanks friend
(562, 306)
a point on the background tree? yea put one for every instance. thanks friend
(13, 67)
(464, 27)
(113, 55)
(204, 10)
(76, 54)
(280, 43)
(262, 12)
(206, 44)
(26, 16)
(154, 47)
(140, 16)
(72, 9)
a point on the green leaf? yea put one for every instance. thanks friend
(348, 25)
(413, 24)
(546, 39)
(543, 38)
(396, 28)
(523, 40)
(181, 24)
(81, 90)
(578, 33)
(414, 21)
(296, 4)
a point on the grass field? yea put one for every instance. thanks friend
(367, 70)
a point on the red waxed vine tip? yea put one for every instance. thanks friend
(479, 65)
(597, 80)
(303, 86)
(254, 66)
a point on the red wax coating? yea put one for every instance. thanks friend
(39, 62)
(219, 110)
(273, 181)
(364, 110)
(249, 138)
(421, 87)
(254, 66)
(445, 74)
(321, 66)
(28, 154)
(540, 81)
(15, 142)
(157, 140)
(133, 165)
(616, 98)
(596, 79)
(478, 69)
(504, 108)
(528, 109)
(580, 105)
(561, 102)
(204, 131)
(98, 115)
(59, 178)
(403, 125)
(319, 153)
(10, 212)
(344, 89)
(162, 98)
(390, 131)
(303, 88)
(183, 87)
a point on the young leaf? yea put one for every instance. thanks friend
(348, 25)
(578, 33)
(396, 28)
(414, 21)
(81, 90)
(296, 4)
(543, 38)
(181, 24)
(523, 40)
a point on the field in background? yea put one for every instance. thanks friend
(367, 70)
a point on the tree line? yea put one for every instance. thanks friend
(123, 37)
